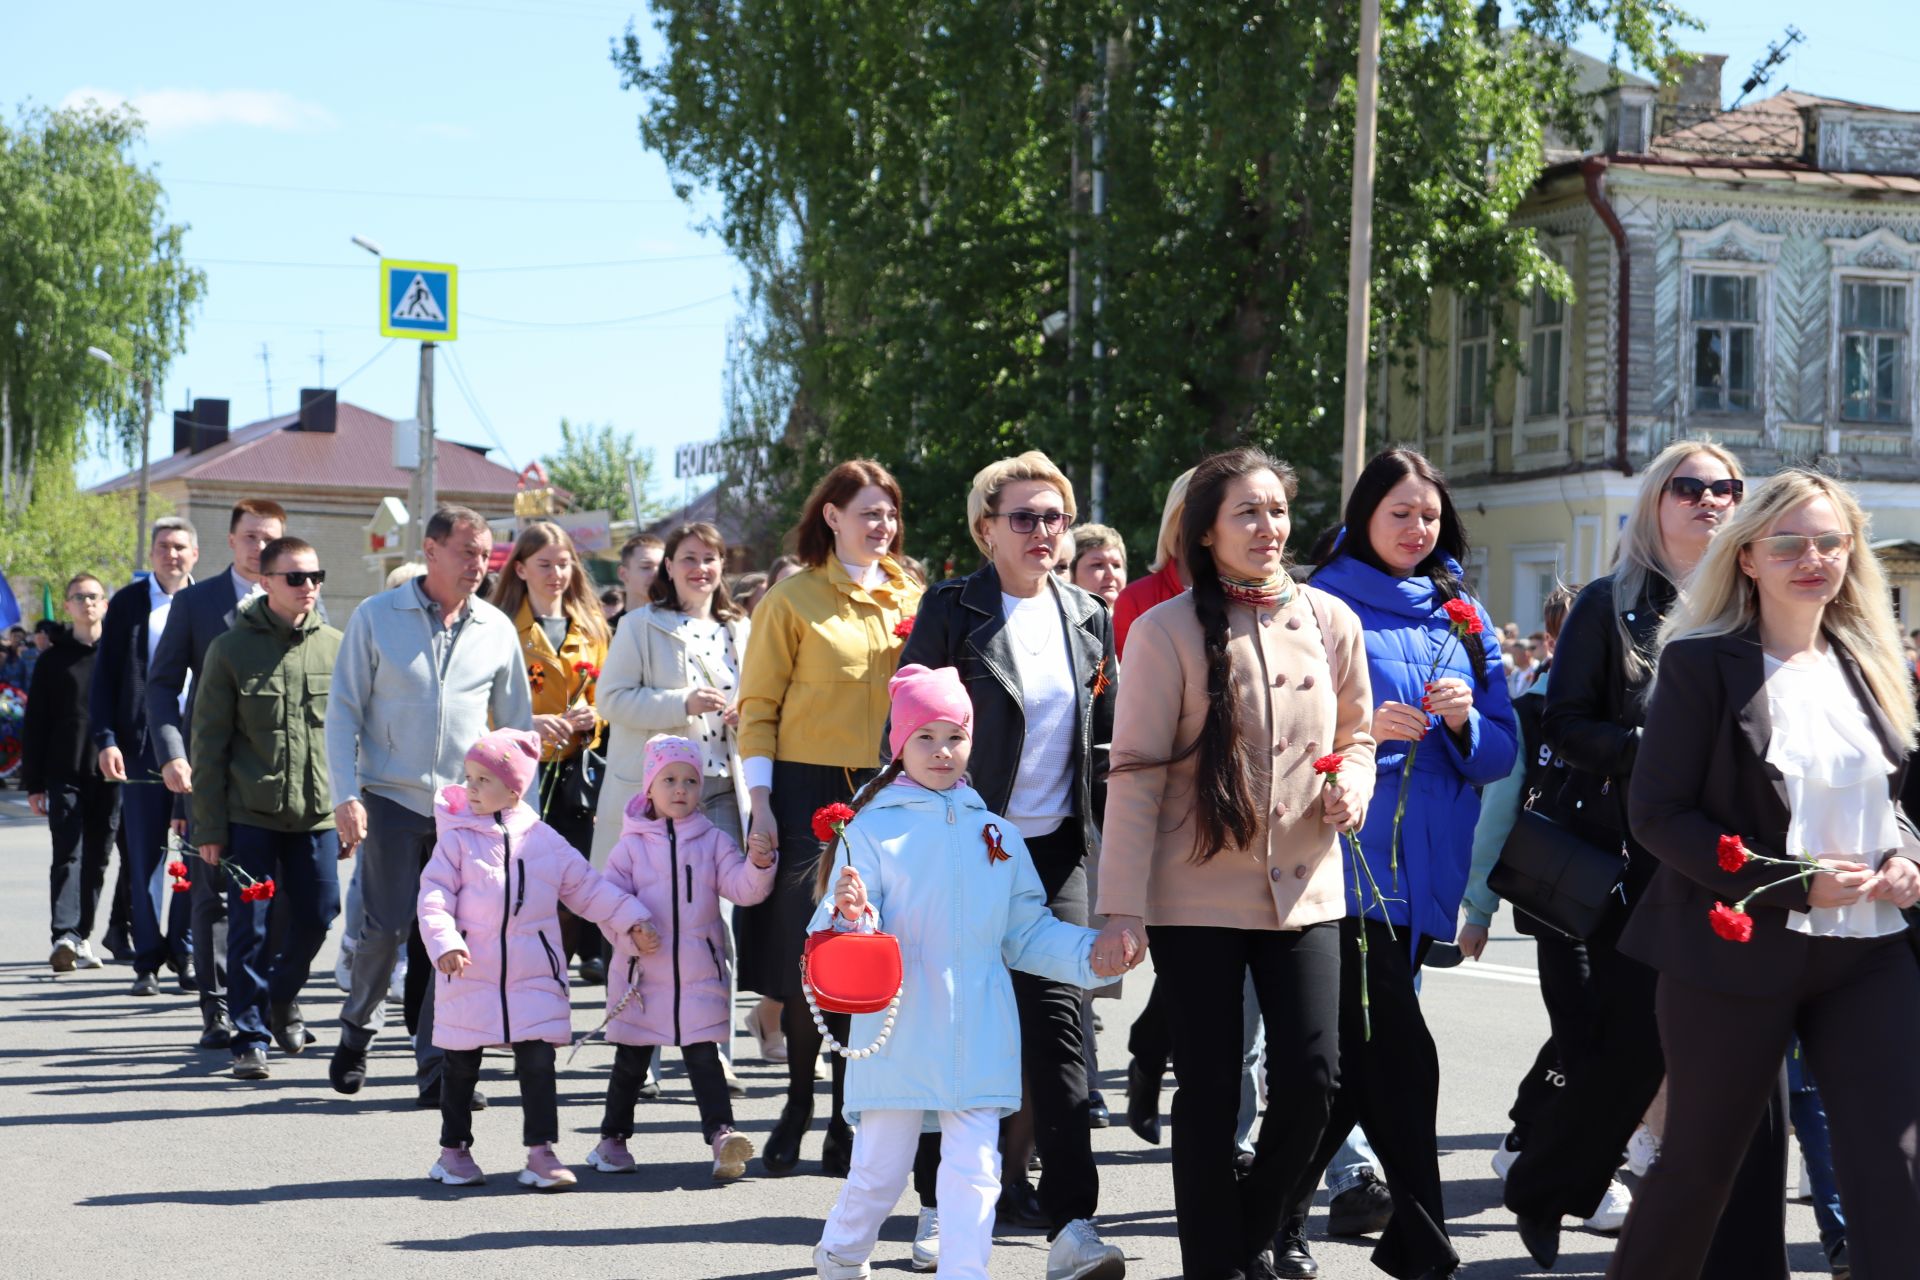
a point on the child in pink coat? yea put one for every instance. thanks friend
(668, 980)
(489, 916)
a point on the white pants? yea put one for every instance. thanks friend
(968, 1189)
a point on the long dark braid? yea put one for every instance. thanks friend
(823, 873)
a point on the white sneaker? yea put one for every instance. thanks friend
(343, 968)
(1803, 1192)
(828, 1267)
(1503, 1157)
(926, 1241)
(1612, 1213)
(1642, 1150)
(83, 957)
(1079, 1253)
(63, 955)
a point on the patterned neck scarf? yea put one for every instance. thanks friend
(1259, 593)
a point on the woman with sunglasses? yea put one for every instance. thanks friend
(1781, 715)
(1561, 1161)
(1036, 655)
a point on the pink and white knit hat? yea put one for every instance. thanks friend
(511, 755)
(664, 749)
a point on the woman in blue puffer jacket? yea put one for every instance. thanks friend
(1397, 565)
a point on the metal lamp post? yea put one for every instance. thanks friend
(146, 436)
(422, 492)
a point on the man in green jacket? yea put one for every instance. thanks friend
(262, 802)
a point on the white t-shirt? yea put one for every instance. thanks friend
(1835, 770)
(1042, 795)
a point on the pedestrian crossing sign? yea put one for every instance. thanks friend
(418, 300)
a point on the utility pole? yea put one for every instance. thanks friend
(146, 441)
(1360, 248)
(266, 369)
(1109, 51)
(425, 496)
(320, 354)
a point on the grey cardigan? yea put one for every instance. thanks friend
(399, 728)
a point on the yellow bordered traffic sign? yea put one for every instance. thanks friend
(419, 300)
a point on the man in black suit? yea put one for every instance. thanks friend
(200, 614)
(117, 710)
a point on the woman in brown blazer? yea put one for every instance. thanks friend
(1782, 713)
(1219, 845)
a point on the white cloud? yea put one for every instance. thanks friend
(169, 111)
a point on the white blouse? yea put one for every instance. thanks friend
(1835, 770)
(710, 653)
(1042, 796)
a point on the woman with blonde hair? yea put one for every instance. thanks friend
(554, 605)
(1167, 578)
(1777, 735)
(1599, 1001)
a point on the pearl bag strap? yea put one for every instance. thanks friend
(820, 1022)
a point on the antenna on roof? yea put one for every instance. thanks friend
(1777, 52)
(266, 369)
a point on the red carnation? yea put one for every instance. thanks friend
(177, 868)
(1330, 765)
(265, 889)
(903, 628)
(1731, 923)
(586, 669)
(181, 886)
(1463, 617)
(1733, 854)
(828, 821)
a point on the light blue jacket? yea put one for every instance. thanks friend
(963, 920)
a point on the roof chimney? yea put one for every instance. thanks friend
(209, 425)
(1691, 91)
(319, 408)
(1628, 110)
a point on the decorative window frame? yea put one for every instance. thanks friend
(1530, 556)
(1547, 434)
(1880, 256)
(1731, 249)
(1457, 435)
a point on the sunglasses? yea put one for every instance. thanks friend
(1788, 548)
(1690, 489)
(90, 597)
(300, 577)
(1028, 521)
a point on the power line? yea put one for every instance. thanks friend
(596, 324)
(534, 266)
(468, 197)
(461, 381)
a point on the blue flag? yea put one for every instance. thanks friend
(9, 607)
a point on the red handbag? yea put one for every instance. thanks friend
(852, 973)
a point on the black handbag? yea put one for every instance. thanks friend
(577, 789)
(1557, 876)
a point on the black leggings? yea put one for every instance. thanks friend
(539, 1099)
(630, 1063)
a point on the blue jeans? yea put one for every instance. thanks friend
(1354, 1158)
(1252, 1040)
(1810, 1127)
(304, 866)
(146, 809)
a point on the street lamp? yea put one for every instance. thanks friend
(422, 491)
(146, 432)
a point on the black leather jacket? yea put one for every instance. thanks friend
(1594, 712)
(962, 624)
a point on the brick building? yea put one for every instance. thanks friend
(329, 465)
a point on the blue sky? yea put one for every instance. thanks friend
(493, 134)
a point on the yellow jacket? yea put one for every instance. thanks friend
(814, 685)
(556, 684)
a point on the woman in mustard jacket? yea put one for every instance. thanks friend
(545, 589)
(813, 705)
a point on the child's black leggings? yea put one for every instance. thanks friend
(539, 1100)
(630, 1062)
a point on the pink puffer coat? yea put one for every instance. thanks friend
(679, 871)
(493, 889)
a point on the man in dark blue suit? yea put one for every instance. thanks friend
(117, 711)
(201, 613)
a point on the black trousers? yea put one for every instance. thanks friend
(1390, 1086)
(630, 1063)
(577, 938)
(1225, 1220)
(1566, 988)
(539, 1094)
(1148, 1040)
(83, 816)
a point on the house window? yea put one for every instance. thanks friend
(1473, 355)
(1726, 343)
(1873, 351)
(1548, 330)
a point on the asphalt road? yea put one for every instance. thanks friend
(129, 1153)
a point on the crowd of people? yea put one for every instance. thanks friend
(1295, 786)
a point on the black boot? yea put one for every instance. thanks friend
(216, 1029)
(289, 1027)
(348, 1070)
(782, 1151)
(1541, 1236)
(836, 1154)
(1291, 1261)
(1143, 1099)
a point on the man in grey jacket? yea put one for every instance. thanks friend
(424, 670)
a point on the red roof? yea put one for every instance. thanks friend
(358, 454)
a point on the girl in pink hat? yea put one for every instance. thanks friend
(668, 981)
(923, 858)
(489, 911)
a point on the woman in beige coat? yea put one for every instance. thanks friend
(1220, 848)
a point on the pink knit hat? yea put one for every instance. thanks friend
(922, 695)
(665, 749)
(511, 755)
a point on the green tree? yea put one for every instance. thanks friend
(591, 464)
(87, 259)
(64, 531)
(906, 185)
